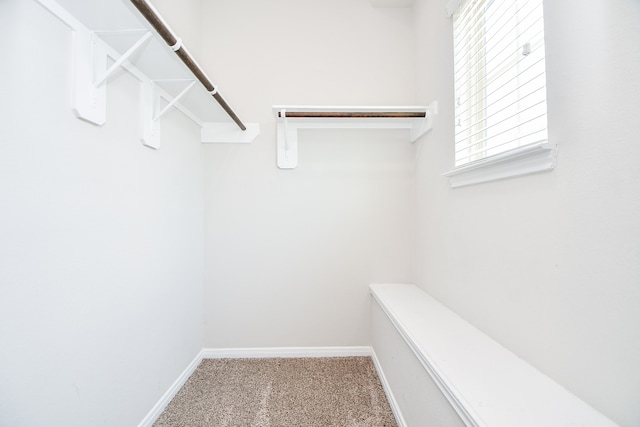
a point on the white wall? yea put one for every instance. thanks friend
(101, 264)
(553, 274)
(289, 253)
(185, 19)
(101, 239)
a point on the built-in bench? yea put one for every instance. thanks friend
(441, 371)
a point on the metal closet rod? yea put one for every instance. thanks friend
(175, 43)
(355, 114)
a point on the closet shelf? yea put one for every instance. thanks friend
(112, 35)
(417, 119)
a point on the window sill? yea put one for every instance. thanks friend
(522, 161)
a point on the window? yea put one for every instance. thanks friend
(500, 90)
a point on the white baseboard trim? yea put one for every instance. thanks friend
(264, 352)
(387, 390)
(157, 409)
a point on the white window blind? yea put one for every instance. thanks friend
(500, 79)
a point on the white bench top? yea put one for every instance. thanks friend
(486, 384)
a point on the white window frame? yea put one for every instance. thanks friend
(521, 161)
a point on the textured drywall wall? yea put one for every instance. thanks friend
(290, 253)
(100, 242)
(185, 19)
(547, 264)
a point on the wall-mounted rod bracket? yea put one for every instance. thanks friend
(90, 57)
(89, 102)
(418, 120)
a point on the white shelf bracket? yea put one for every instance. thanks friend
(287, 145)
(172, 102)
(92, 50)
(421, 126)
(150, 127)
(151, 112)
(89, 65)
(89, 56)
(123, 57)
(418, 120)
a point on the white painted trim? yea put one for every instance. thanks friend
(157, 409)
(395, 408)
(486, 383)
(523, 161)
(284, 352)
(228, 133)
(462, 409)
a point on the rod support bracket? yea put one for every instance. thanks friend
(89, 59)
(90, 73)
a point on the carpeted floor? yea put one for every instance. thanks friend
(336, 391)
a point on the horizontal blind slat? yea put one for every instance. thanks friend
(501, 99)
(494, 25)
(539, 135)
(462, 51)
(500, 90)
(515, 77)
(532, 33)
(502, 120)
(534, 76)
(535, 137)
(504, 131)
(469, 26)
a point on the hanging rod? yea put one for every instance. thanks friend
(291, 118)
(352, 114)
(156, 21)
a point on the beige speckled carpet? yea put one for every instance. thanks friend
(336, 391)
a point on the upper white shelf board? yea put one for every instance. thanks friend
(290, 118)
(116, 22)
(119, 25)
